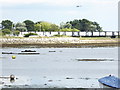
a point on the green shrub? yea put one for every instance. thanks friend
(6, 31)
(1, 34)
(57, 35)
(69, 30)
(30, 34)
(16, 32)
(75, 30)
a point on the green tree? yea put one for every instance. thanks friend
(16, 32)
(62, 25)
(7, 24)
(37, 27)
(54, 27)
(21, 27)
(29, 25)
(45, 26)
(92, 28)
(85, 25)
(98, 28)
(6, 31)
(76, 24)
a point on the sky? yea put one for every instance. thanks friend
(104, 12)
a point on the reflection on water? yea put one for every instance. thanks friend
(59, 67)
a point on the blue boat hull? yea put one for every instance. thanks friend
(110, 82)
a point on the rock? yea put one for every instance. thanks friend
(50, 80)
(45, 84)
(68, 78)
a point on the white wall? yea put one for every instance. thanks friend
(70, 33)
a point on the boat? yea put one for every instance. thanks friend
(52, 51)
(28, 51)
(22, 53)
(8, 53)
(109, 82)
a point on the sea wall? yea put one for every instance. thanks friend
(56, 40)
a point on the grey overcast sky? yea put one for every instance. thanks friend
(105, 12)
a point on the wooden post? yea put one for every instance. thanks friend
(99, 33)
(58, 33)
(65, 32)
(118, 33)
(113, 34)
(79, 34)
(86, 33)
(72, 33)
(92, 33)
(105, 34)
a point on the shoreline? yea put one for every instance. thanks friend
(58, 42)
(73, 45)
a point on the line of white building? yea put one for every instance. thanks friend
(105, 33)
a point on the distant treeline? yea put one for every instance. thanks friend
(7, 26)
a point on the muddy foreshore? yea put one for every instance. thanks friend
(58, 42)
(72, 45)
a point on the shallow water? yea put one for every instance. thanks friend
(60, 68)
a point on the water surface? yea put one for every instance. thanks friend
(60, 68)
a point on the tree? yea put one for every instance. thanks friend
(21, 27)
(7, 24)
(76, 24)
(29, 25)
(62, 25)
(98, 28)
(54, 27)
(6, 31)
(37, 27)
(45, 26)
(16, 32)
(92, 28)
(85, 25)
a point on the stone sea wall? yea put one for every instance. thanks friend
(56, 40)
